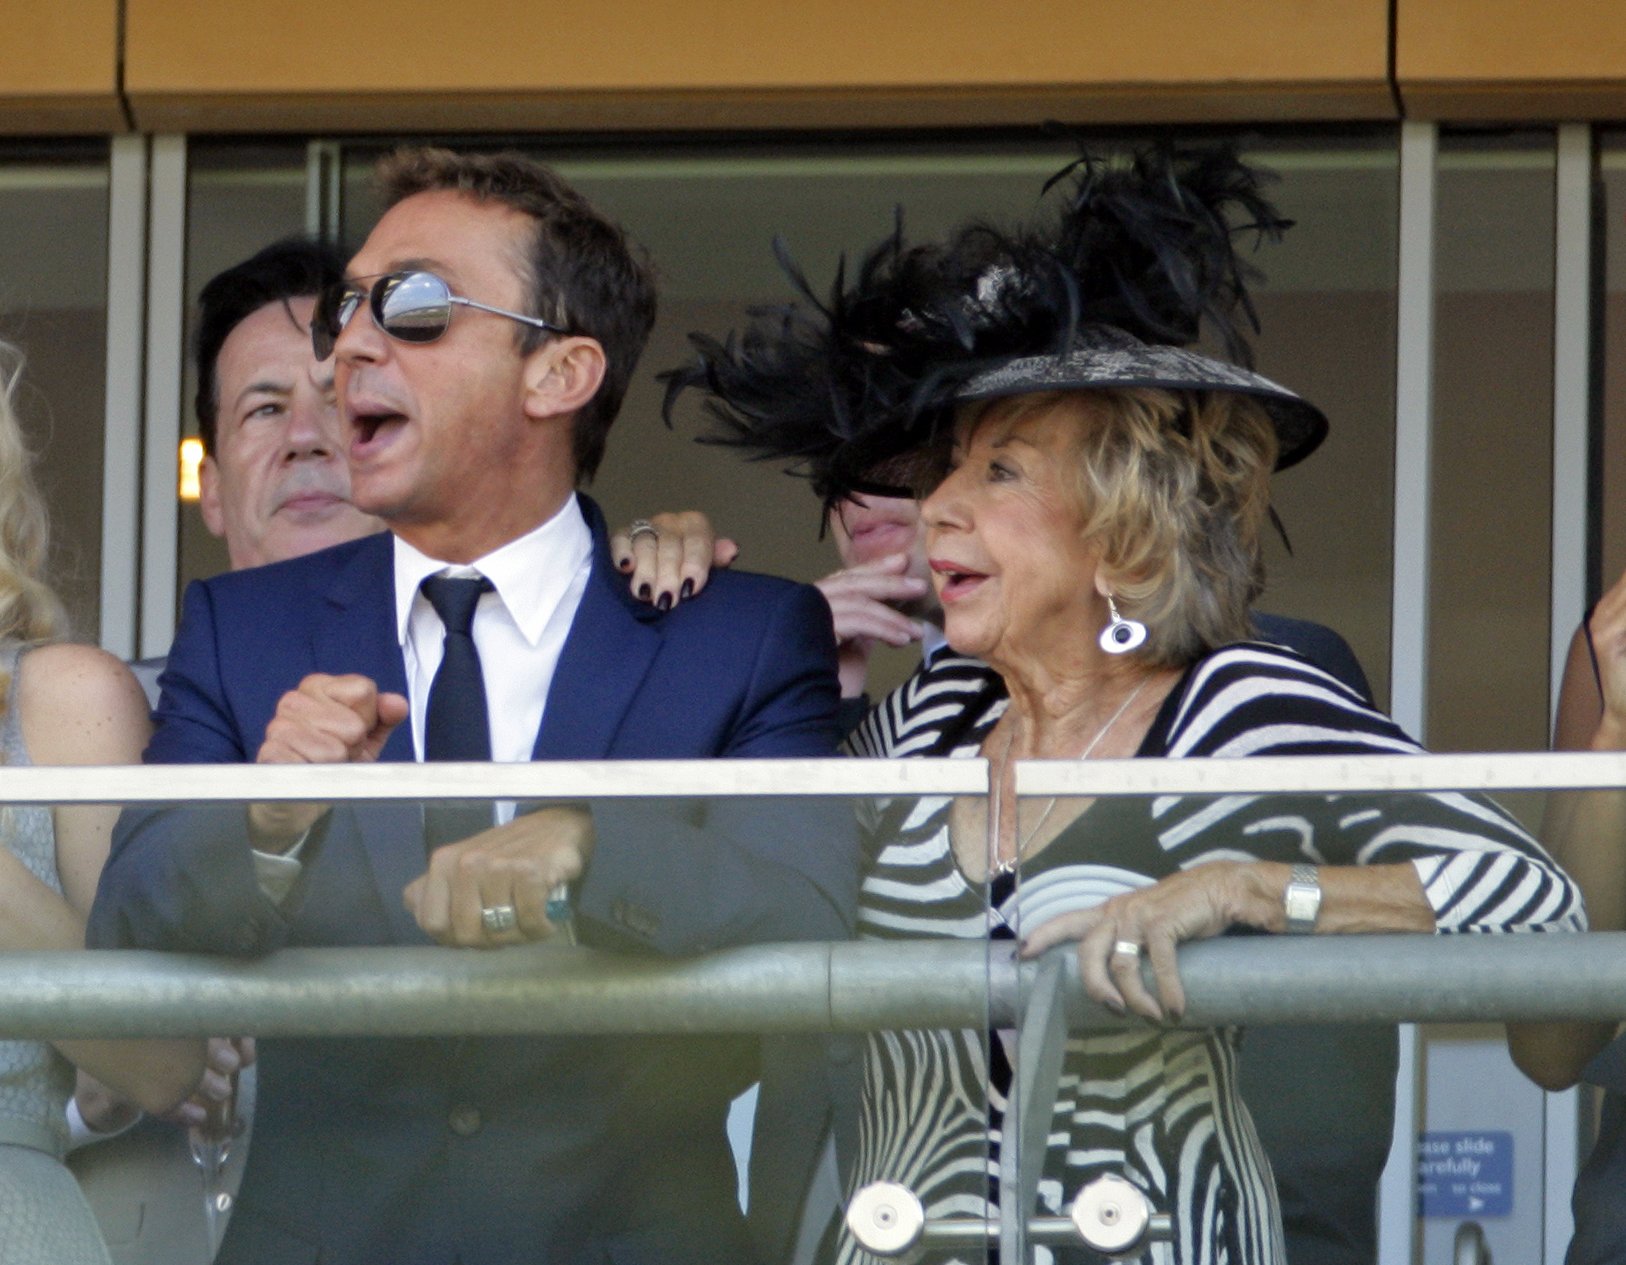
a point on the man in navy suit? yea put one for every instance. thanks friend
(483, 345)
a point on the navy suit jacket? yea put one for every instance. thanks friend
(497, 1150)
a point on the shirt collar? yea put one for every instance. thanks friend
(932, 643)
(530, 574)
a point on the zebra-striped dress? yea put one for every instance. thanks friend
(1158, 1107)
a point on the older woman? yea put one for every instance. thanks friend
(1099, 547)
(1095, 539)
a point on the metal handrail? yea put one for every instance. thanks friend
(611, 779)
(791, 987)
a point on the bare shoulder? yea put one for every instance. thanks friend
(1580, 701)
(79, 705)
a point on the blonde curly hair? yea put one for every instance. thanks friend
(1175, 489)
(29, 609)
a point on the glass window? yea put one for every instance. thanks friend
(1327, 316)
(1493, 391)
(53, 307)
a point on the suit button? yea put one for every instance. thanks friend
(464, 1120)
(635, 918)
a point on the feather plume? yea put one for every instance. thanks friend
(839, 385)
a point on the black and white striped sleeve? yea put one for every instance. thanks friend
(922, 716)
(1480, 870)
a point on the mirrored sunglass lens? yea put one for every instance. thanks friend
(333, 312)
(415, 307)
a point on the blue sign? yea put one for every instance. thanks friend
(1465, 1174)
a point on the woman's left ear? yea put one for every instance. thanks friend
(562, 376)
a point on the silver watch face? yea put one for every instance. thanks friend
(1302, 900)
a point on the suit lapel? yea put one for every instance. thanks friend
(612, 642)
(360, 630)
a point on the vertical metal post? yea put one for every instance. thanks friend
(1414, 422)
(1573, 315)
(121, 440)
(1572, 383)
(323, 189)
(166, 349)
(1414, 417)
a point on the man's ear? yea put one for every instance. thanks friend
(214, 517)
(562, 375)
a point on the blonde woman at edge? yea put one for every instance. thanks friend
(59, 704)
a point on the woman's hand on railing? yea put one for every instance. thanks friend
(1207, 900)
(1151, 922)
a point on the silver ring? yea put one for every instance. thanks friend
(641, 527)
(1127, 947)
(499, 918)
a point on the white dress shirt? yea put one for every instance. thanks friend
(932, 644)
(519, 628)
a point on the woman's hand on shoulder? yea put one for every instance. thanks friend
(668, 557)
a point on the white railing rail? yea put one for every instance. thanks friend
(610, 779)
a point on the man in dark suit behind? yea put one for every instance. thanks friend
(470, 420)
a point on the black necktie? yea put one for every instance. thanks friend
(455, 724)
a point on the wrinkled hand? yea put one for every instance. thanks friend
(519, 864)
(327, 720)
(676, 562)
(862, 605)
(1193, 904)
(209, 1110)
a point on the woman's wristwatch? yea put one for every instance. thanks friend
(1301, 900)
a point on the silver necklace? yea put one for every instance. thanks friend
(1000, 867)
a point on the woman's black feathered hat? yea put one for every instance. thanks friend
(853, 391)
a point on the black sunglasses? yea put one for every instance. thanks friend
(411, 307)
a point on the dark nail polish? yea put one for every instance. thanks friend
(665, 603)
(643, 592)
(687, 591)
(625, 564)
